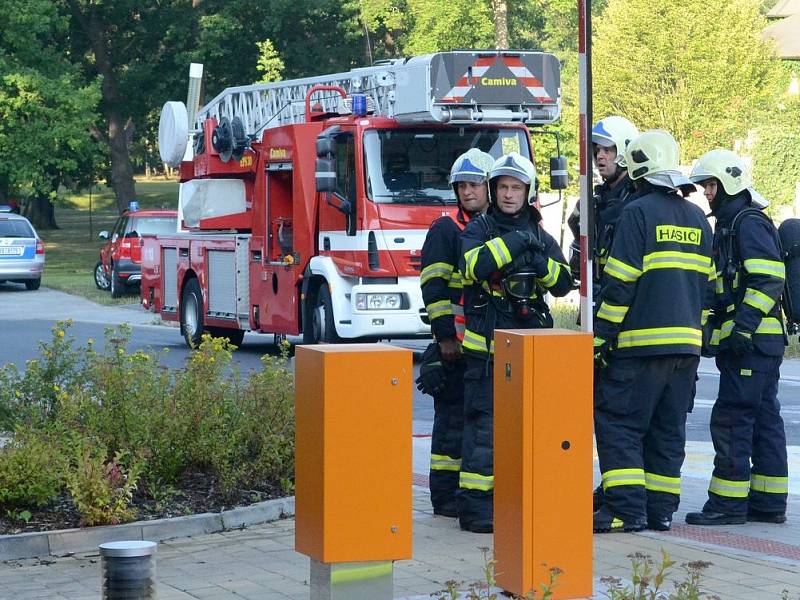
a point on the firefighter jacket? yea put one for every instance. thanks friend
(440, 278)
(493, 250)
(609, 200)
(750, 279)
(658, 281)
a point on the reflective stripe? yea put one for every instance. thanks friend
(346, 573)
(762, 266)
(456, 280)
(475, 481)
(457, 309)
(439, 269)
(662, 483)
(660, 336)
(704, 316)
(620, 270)
(499, 251)
(758, 300)
(712, 273)
(719, 286)
(553, 271)
(769, 485)
(768, 326)
(668, 259)
(471, 259)
(618, 477)
(612, 313)
(475, 341)
(729, 488)
(438, 309)
(442, 462)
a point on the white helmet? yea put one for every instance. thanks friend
(517, 166)
(655, 156)
(731, 172)
(615, 131)
(474, 165)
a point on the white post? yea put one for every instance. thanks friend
(585, 136)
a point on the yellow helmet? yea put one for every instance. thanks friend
(729, 169)
(655, 156)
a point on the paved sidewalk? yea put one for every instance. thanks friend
(748, 562)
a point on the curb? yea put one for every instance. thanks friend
(70, 541)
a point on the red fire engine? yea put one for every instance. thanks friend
(304, 204)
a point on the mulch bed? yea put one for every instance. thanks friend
(194, 493)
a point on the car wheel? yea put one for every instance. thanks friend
(117, 286)
(321, 326)
(235, 336)
(192, 313)
(33, 284)
(100, 277)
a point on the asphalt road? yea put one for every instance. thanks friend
(26, 319)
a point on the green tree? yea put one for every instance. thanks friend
(698, 69)
(46, 110)
(776, 153)
(270, 64)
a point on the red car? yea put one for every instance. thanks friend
(121, 256)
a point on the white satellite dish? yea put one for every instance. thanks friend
(173, 133)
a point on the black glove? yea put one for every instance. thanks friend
(602, 351)
(432, 376)
(740, 343)
(532, 241)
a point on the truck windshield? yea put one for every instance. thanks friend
(412, 166)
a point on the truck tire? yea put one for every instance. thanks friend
(235, 336)
(116, 285)
(192, 313)
(100, 277)
(321, 325)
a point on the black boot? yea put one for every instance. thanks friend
(478, 526)
(659, 523)
(759, 516)
(714, 518)
(604, 521)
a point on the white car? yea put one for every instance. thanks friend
(21, 251)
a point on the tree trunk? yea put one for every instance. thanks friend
(500, 14)
(117, 134)
(40, 212)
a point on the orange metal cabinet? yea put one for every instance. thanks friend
(353, 459)
(543, 460)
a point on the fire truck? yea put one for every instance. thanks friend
(304, 204)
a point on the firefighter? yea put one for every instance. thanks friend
(509, 262)
(442, 371)
(648, 339)
(610, 137)
(748, 341)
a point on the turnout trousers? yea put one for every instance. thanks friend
(448, 427)
(747, 428)
(640, 428)
(475, 495)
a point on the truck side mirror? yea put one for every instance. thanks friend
(559, 177)
(103, 235)
(325, 175)
(325, 168)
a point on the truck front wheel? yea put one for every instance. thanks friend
(321, 326)
(192, 313)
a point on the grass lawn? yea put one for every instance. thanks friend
(73, 250)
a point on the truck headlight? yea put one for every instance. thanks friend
(379, 301)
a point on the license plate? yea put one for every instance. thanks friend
(11, 250)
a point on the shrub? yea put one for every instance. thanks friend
(32, 467)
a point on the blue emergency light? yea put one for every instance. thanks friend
(133, 205)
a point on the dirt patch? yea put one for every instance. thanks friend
(195, 493)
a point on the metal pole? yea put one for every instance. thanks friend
(586, 158)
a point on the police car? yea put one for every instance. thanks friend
(21, 251)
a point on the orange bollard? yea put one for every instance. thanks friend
(353, 465)
(543, 460)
